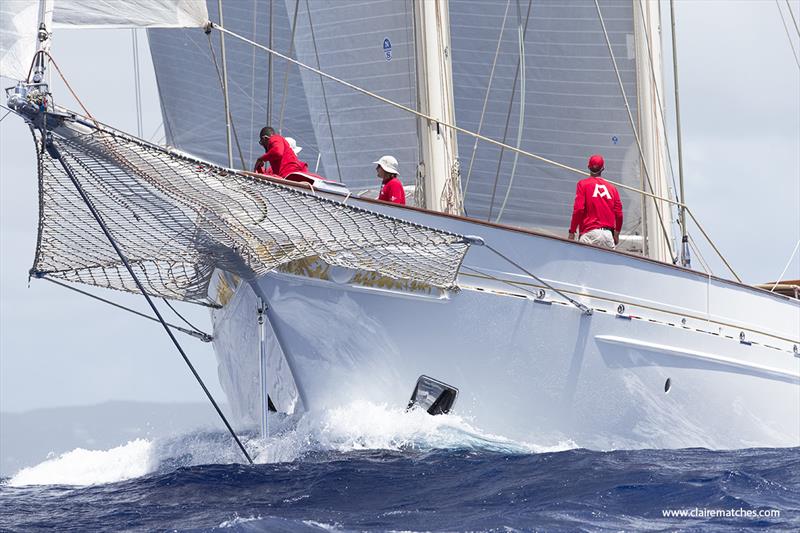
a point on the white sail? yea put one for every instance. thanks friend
(19, 22)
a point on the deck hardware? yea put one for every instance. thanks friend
(620, 309)
(542, 293)
(743, 339)
(667, 385)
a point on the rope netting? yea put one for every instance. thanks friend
(177, 218)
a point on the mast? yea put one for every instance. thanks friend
(685, 258)
(43, 22)
(438, 146)
(651, 128)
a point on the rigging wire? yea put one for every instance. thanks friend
(4, 116)
(696, 248)
(586, 310)
(181, 316)
(794, 20)
(522, 94)
(470, 133)
(486, 97)
(137, 82)
(324, 94)
(53, 150)
(253, 72)
(286, 73)
(635, 132)
(786, 29)
(199, 334)
(269, 68)
(508, 117)
(230, 116)
(789, 262)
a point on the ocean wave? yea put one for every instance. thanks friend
(358, 427)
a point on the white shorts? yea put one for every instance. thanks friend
(599, 237)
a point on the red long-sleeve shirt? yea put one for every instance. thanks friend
(392, 191)
(597, 205)
(281, 158)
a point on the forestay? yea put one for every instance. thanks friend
(177, 218)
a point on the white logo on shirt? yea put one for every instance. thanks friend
(601, 191)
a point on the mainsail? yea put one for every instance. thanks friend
(177, 218)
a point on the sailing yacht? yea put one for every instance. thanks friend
(533, 337)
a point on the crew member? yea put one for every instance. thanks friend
(392, 188)
(282, 159)
(598, 209)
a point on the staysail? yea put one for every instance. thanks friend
(177, 218)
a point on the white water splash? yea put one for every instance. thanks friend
(367, 426)
(90, 467)
(360, 426)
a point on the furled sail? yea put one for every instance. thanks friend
(177, 218)
(19, 20)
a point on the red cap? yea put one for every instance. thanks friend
(596, 163)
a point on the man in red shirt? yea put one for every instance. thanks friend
(282, 159)
(392, 189)
(598, 208)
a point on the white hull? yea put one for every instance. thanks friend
(536, 371)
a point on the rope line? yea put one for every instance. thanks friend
(635, 132)
(324, 94)
(198, 334)
(794, 20)
(470, 133)
(98, 218)
(508, 121)
(786, 29)
(180, 315)
(230, 115)
(789, 262)
(522, 94)
(486, 97)
(586, 310)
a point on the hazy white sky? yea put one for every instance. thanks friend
(740, 98)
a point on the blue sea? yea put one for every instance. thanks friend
(372, 469)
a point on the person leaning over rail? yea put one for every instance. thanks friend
(279, 154)
(597, 212)
(392, 187)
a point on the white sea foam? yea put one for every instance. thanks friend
(238, 520)
(360, 426)
(90, 467)
(368, 426)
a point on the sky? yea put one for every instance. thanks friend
(740, 112)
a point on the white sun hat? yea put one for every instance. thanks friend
(387, 163)
(293, 145)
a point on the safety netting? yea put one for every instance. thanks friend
(177, 218)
